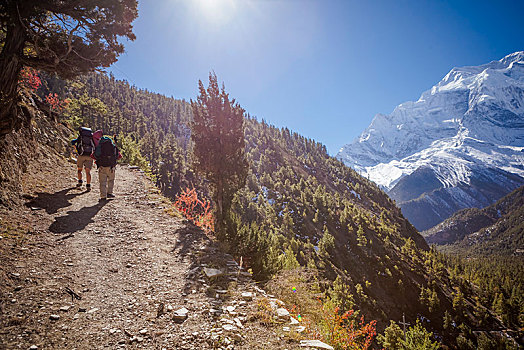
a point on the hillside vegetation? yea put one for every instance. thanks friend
(484, 246)
(496, 229)
(305, 222)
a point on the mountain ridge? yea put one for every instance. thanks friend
(472, 229)
(466, 129)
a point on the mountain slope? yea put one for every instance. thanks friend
(460, 145)
(498, 228)
(302, 210)
(130, 262)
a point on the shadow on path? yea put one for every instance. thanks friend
(75, 220)
(188, 234)
(52, 202)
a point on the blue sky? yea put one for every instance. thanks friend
(322, 68)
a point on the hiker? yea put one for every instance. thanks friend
(106, 154)
(84, 147)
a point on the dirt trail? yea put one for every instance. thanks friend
(131, 264)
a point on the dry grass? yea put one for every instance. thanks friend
(172, 211)
(13, 230)
(300, 290)
(264, 314)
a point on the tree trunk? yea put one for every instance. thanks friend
(220, 208)
(10, 67)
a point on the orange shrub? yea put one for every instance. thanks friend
(345, 331)
(55, 103)
(29, 78)
(195, 210)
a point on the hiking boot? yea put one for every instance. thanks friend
(102, 199)
(88, 187)
(110, 195)
(79, 183)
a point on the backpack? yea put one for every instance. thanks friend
(108, 153)
(85, 145)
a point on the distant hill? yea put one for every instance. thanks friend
(459, 146)
(496, 229)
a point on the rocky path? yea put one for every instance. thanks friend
(79, 274)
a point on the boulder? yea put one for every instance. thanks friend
(247, 296)
(283, 314)
(315, 344)
(180, 315)
(210, 272)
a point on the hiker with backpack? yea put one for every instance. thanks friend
(106, 154)
(84, 147)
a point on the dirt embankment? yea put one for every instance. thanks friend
(37, 148)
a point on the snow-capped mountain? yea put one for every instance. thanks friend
(460, 145)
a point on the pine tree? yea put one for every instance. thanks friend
(433, 301)
(326, 245)
(361, 237)
(484, 342)
(287, 222)
(417, 337)
(340, 294)
(498, 304)
(458, 301)
(392, 338)
(219, 146)
(447, 320)
(64, 37)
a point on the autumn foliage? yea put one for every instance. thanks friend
(29, 79)
(195, 210)
(55, 103)
(344, 331)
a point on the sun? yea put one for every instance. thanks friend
(216, 11)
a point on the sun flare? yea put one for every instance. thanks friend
(216, 11)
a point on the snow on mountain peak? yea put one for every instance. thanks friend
(474, 115)
(513, 57)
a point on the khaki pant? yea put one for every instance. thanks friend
(106, 177)
(84, 161)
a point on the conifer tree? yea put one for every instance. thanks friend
(458, 301)
(64, 37)
(326, 245)
(417, 337)
(446, 323)
(392, 338)
(219, 146)
(361, 237)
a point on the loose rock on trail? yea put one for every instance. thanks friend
(76, 273)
